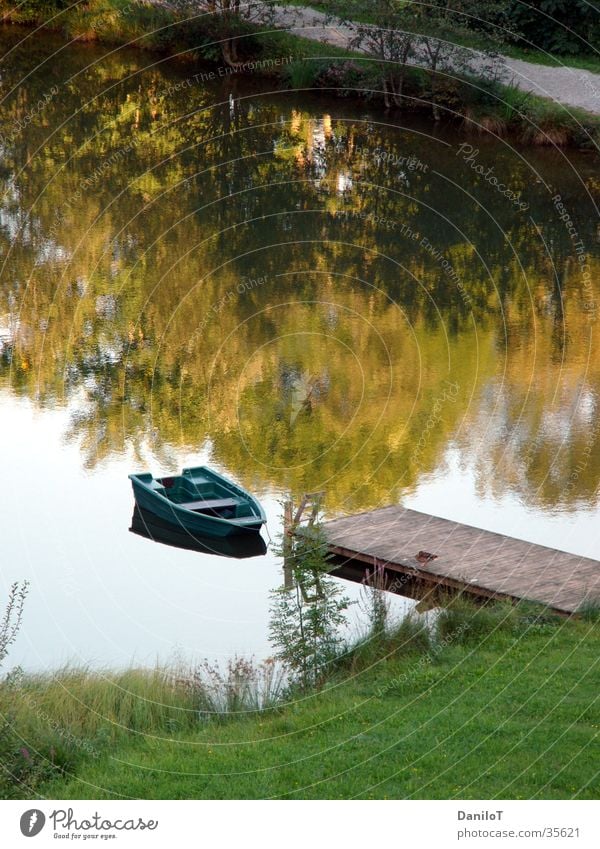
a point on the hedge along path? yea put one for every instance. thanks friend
(564, 85)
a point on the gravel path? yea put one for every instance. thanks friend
(567, 86)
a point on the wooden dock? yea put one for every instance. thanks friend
(468, 559)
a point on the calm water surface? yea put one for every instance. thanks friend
(303, 293)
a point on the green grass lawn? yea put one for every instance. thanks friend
(509, 714)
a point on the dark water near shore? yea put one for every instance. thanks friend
(304, 293)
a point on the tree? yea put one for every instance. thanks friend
(559, 26)
(401, 33)
(388, 39)
(230, 20)
(306, 617)
(442, 26)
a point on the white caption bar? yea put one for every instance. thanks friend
(294, 824)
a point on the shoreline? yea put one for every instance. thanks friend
(74, 732)
(302, 64)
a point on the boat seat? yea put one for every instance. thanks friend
(210, 504)
(247, 520)
(193, 476)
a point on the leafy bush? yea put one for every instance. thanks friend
(558, 26)
(532, 616)
(374, 599)
(305, 73)
(411, 634)
(410, 637)
(33, 10)
(23, 768)
(13, 616)
(348, 77)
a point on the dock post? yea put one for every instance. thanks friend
(288, 521)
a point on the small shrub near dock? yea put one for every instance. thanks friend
(590, 610)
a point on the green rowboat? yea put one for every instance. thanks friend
(199, 500)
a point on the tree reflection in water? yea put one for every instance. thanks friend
(132, 223)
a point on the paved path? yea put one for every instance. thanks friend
(568, 86)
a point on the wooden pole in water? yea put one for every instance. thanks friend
(291, 521)
(288, 522)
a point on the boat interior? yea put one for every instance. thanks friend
(197, 492)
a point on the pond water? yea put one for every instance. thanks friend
(304, 292)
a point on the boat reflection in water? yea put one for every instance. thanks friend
(146, 524)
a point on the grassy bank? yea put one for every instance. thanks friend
(126, 22)
(477, 105)
(497, 702)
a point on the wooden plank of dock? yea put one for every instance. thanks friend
(470, 559)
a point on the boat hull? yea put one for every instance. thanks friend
(179, 517)
(237, 546)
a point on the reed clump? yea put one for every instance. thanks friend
(589, 610)
(91, 703)
(50, 723)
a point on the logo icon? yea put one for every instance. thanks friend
(32, 822)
